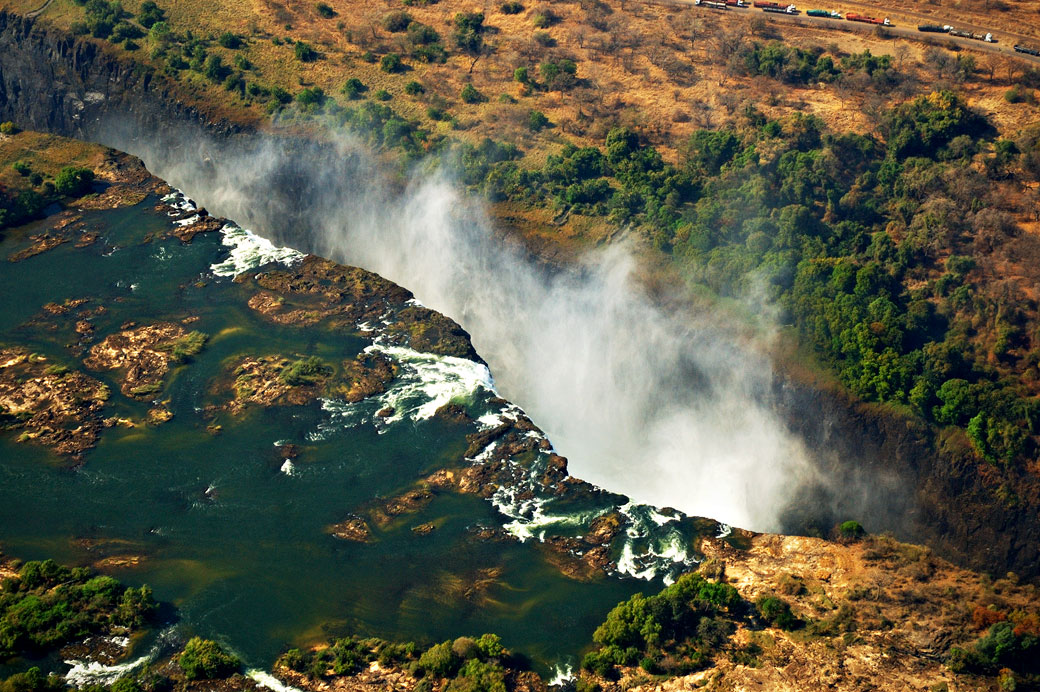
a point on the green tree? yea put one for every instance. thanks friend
(204, 659)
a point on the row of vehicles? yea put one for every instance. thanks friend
(780, 8)
(947, 29)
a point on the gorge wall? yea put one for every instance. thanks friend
(873, 466)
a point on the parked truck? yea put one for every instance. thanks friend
(853, 17)
(832, 14)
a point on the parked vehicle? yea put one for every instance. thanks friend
(944, 29)
(833, 14)
(1028, 50)
(988, 38)
(853, 17)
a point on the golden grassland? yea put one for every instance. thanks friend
(651, 66)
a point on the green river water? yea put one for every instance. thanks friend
(229, 534)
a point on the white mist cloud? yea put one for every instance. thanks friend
(670, 410)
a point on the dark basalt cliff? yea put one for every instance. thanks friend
(947, 499)
(54, 82)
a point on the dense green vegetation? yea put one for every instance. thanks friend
(18, 206)
(48, 605)
(674, 632)
(204, 659)
(1007, 645)
(863, 242)
(469, 665)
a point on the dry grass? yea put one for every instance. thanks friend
(648, 65)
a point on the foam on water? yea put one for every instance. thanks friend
(562, 674)
(288, 468)
(83, 673)
(250, 251)
(265, 679)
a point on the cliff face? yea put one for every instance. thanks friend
(940, 494)
(57, 83)
(53, 82)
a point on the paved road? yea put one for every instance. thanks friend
(1004, 44)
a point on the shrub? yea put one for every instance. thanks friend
(469, 32)
(521, 75)
(204, 659)
(73, 181)
(311, 98)
(512, 7)
(470, 95)
(281, 95)
(490, 646)
(382, 95)
(477, 676)
(544, 18)
(229, 40)
(214, 69)
(1019, 94)
(396, 22)
(304, 372)
(440, 660)
(413, 88)
(544, 39)
(22, 168)
(391, 63)
(558, 74)
(851, 530)
(537, 121)
(8, 128)
(354, 88)
(777, 611)
(325, 11)
(305, 52)
(422, 34)
(150, 14)
(436, 114)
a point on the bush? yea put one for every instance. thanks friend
(354, 88)
(312, 98)
(150, 14)
(382, 95)
(777, 611)
(440, 660)
(544, 19)
(204, 659)
(490, 646)
(396, 22)
(304, 372)
(421, 34)
(537, 121)
(325, 11)
(73, 181)
(391, 63)
(229, 40)
(469, 32)
(521, 75)
(512, 7)
(1019, 94)
(851, 530)
(558, 74)
(477, 676)
(413, 88)
(305, 52)
(470, 95)
(544, 39)
(22, 168)
(8, 128)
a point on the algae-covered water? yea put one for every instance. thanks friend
(221, 525)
